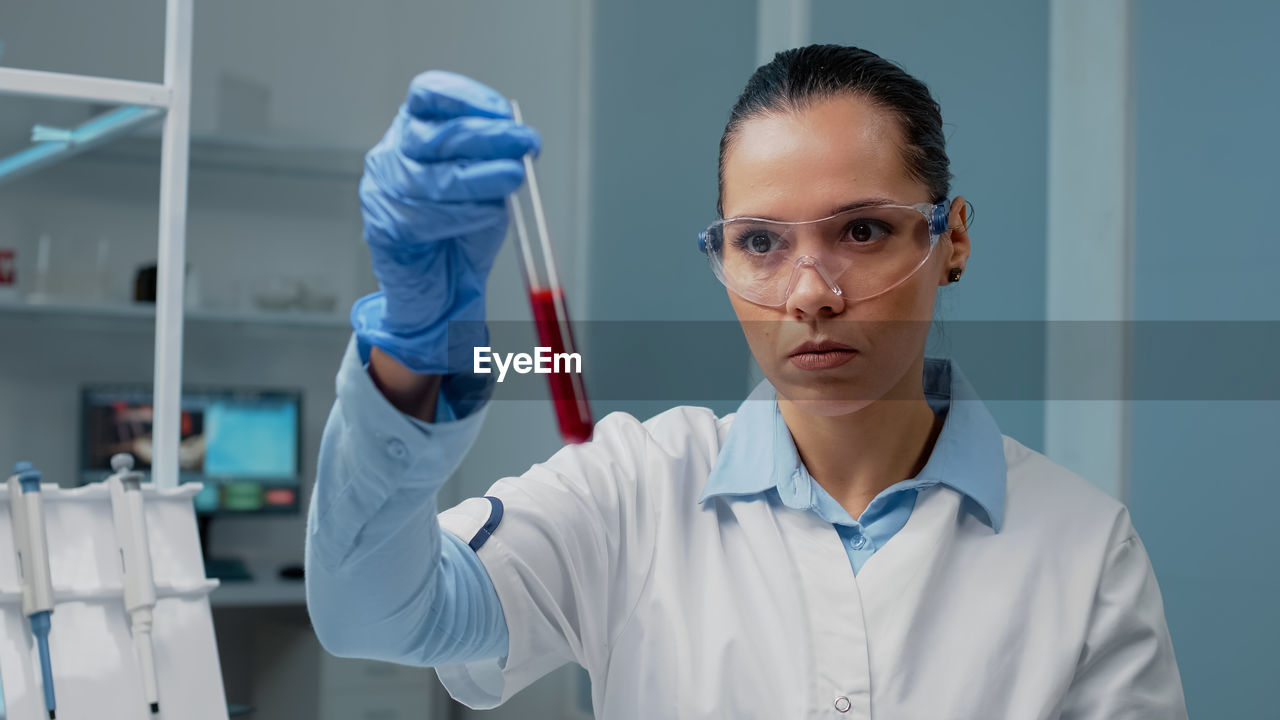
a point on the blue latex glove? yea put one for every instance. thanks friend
(433, 196)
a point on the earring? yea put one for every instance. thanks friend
(955, 275)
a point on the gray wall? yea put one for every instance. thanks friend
(1204, 484)
(987, 66)
(666, 75)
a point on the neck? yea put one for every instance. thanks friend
(856, 456)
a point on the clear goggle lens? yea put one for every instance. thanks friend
(859, 253)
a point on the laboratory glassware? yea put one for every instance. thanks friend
(550, 311)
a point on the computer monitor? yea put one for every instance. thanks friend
(243, 445)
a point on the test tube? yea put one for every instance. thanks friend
(550, 312)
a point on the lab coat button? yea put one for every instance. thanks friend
(396, 448)
(843, 704)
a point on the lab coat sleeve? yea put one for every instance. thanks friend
(568, 558)
(383, 580)
(1127, 669)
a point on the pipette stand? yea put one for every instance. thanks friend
(96, 671)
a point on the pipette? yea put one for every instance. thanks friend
(125, 486)
(550, 312)
(27, 509)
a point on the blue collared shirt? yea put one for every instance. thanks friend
(968, 456)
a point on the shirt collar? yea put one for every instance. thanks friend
(968, 455)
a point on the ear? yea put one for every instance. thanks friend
(954, 244)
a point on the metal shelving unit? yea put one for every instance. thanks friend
(138, 312)
(173, 100)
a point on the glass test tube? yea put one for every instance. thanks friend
(550, 312)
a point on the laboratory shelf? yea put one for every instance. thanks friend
(267, 588)
(84, 88)
(264, 592)
(52, 145)
(125, 312)
(258, 155)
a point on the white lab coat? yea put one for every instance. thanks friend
(729, 609)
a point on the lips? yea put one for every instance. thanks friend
(819, 346)
(821, 355)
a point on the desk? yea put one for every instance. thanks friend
(262, 591)
(266, 589)
(272, 661)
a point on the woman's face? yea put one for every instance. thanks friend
(795, 166)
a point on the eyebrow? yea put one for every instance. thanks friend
(855, 205)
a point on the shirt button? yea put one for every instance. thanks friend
(843, 704)
(396, 448)
(858, 543)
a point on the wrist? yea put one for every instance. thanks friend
(441, 344)
(411, 393)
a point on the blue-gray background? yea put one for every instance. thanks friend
(1204, 483)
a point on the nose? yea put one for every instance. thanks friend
(812, 290)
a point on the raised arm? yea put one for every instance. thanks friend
(383, 580)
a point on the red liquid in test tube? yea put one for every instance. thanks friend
(550, 314)
(567, 391)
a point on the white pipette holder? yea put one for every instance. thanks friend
(96, 669)
(129, 514)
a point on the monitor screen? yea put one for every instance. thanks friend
(242, 445)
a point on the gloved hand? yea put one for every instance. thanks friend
(433, 196)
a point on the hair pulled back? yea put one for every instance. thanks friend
(797, 78)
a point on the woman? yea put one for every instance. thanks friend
(857, 540)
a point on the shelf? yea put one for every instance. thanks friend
(267, 591)
(55, 144)
(262, 155)
(329, 321)
(266, 588)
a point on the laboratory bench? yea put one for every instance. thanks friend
(275, 669)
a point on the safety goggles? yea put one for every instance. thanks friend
(859, 253)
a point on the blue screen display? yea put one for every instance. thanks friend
(255, 440)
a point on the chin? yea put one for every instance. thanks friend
(830, 408)
(829, 398)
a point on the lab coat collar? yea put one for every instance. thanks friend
(968, 455)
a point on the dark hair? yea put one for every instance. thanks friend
(796, 78)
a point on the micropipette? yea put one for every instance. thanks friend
(125, 486)
(550, 312)
(27, 508)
